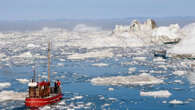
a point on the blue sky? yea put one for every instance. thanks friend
(93, 9)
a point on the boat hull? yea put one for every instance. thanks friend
(39, 102)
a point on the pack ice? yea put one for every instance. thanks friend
(142, 79)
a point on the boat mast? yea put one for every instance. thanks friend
(49, 44)
(34, 74)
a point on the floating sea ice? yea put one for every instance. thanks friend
(132, 69)
(77, 97)
(32, 46)
(23, 81)
(45, 108)
(4, 85)
(162, 93)
(158, 59)
(60, 64)
(62, 60)
(111, 89)
(179, 73)
(100, 64)
(25, 55)
(142, 79)
(140, 58)
(176, 102)
(178, 81)
(11, 95)
(94, 54)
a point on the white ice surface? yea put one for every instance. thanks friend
(179, 73)
(23, 81)
(142, 79)
(4, 85)
(100, 64)
(12, 95)
(94, 54)
(187, 44)
(176, 102)
(162, 93)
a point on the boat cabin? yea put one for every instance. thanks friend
(42, 89)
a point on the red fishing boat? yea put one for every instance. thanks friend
(41, 93)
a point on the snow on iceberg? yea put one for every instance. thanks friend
(150, 33)
(185, 48)
(11, 95)
(168, 34)
(4, 85)
(142, 79)
(162, 93)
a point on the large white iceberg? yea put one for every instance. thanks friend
(186, 47)
(150, 33)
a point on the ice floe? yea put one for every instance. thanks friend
(132, 69)
(100, 64)
(176, 102)
(23, 81)
(12, 95)
(142, 79)
(162, 93)
(111, 89)
(179, 73)
(94, 54)
(4, 85)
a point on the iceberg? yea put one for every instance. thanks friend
(150, 33)
(185, 48)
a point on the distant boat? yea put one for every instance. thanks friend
(41, 93)
(160, 53)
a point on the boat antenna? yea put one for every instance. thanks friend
(49, 44)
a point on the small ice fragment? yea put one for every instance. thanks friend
(140, 58)
(164, 102)
(4, 85)
(178, 81)
(111, 89)
(23, 81)
(132, 69)
(100, 64)
(162, 93)
(179, 73)
(176, 102)
(60, 64)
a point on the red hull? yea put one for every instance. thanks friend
(39, 102)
